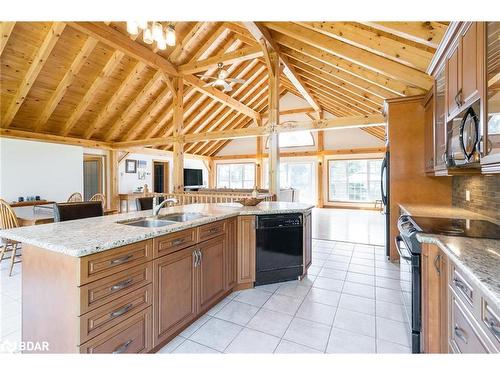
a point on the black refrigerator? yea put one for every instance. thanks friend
(385, 189)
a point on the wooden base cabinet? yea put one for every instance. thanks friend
(211, 271)
(231, 253)
(176, 292)
(434, 300)
(246, 250)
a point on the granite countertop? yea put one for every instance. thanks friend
(88, 236)
(478, 258)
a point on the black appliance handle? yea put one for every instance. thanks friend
(472, 113)
(397, 240)
(384, 195)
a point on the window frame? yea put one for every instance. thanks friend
(235, 163)
(329, 200)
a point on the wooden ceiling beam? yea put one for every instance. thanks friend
(6, 29)
(179, 47)
(78, 62)
(373, 42)
(34, 69)
(376, 83)
(120, 122)
(426, 33)
(112, 101)
(121, 42)
(345, 151)
(260, 33)
(240, 55)
(355, 55)
(82, 106)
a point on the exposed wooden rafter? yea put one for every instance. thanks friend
(5, 31)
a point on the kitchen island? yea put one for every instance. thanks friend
(104, 285)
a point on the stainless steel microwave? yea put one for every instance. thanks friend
(463, 138)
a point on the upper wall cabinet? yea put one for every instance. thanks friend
(490, 145)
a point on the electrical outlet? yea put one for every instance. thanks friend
(467, 195)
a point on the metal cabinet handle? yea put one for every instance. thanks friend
(121, 284)
(121, 260)
(195, 259)
(437, 261)
(121, 310)
(461, 285)
(177, 241)
(120, 349)
(200, 257)
(460, 333)
(492, 325)
(213, 230)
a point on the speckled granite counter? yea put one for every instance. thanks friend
(87, 236)
(478, 258)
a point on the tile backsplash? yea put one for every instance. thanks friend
(484, 194)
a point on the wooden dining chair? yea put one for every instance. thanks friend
(8, 220)
(75, 197)
(99, 198)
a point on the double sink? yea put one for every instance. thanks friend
(162, 220)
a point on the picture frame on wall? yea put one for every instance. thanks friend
(130, 166)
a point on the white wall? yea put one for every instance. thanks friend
(29, 168)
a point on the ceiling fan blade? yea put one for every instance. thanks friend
(209, 84)
(236, 80)
(227, 87)
(207, 77)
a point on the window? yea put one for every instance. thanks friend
(236, 176)
(354, 180)
(295, 139)
(298, 175)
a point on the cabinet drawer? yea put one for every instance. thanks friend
(105, 317)
(463, 288)
(131, 336)
(491, 323)
(173, 242)
(96, 266)
(463, 334)
(102, 291)
(211, 230)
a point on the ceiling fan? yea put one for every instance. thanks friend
(222, 79)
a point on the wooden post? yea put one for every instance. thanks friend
(113, 180)
(258, 165)
(211, 174)
(274, 119)
(321, 162)
(178, 154)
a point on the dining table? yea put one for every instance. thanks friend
(41, 214)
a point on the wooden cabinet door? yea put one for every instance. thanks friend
(211, 270)
(469, 73)
(307, 240)
(175, 292)
(231, 251)
(452, 81)
(246, 250)
(439, 119)
(429, 133)
(433, 305)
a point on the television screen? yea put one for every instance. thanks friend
(193, 177)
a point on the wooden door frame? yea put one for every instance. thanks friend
(166, 177)
(103, 186)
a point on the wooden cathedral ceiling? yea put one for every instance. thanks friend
(91, 82)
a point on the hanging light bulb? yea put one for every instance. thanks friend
(162, 43)
(132, 27)
(170, 35)
(147, 36)
(143, 25)
(157, 31)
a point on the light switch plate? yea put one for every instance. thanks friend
(467, 195)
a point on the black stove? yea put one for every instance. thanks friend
(457, 227)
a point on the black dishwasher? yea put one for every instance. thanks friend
(279, 248)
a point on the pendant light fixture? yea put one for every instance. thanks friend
(153, 32)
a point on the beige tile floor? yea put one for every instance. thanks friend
(349, 303)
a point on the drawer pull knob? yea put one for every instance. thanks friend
(121, 260)
(121, 310)
(122, 347)
(459, 332)
(121, 284)
(213, 230)
(177, 242)
(492, 325)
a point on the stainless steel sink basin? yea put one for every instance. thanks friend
(147, 222)
(181, 217)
